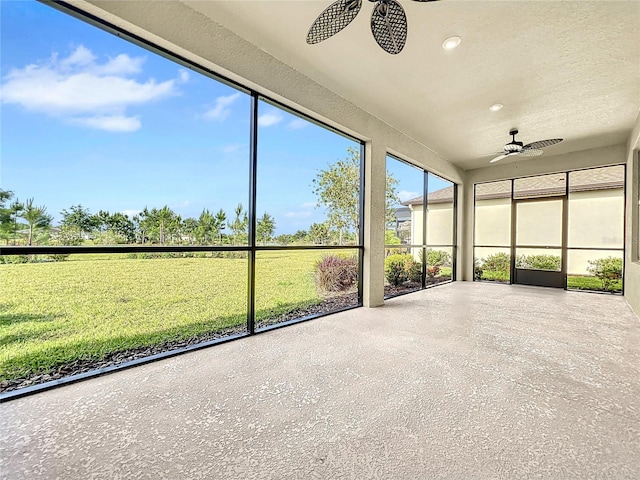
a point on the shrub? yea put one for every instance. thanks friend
(608, 270)
(59, 257)
(335, 273)
(414, 269)
(402, 267)
(433, 271)
(394, 269)
(14, 259)
(498, 262)
(438, 258)
(539, 262)
(477, 270)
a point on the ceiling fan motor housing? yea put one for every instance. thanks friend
(513, 146)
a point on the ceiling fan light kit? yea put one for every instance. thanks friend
(532, 149)
(388, 22)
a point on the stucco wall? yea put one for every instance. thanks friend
(632, 265)
(439, 224)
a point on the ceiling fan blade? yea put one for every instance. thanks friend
(497, 159)
(389, 26)
(542, 143)
(333, 19)
(530, 152)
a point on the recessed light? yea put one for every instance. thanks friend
(495, 107)
(451, 43)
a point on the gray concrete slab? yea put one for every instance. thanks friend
(465, 381)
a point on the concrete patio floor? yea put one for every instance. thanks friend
(466, 380)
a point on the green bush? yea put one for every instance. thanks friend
(402, 267)
(394, 269)
(438, 258)
(14, 259)
(414, 269)
(477, 269)
(498, 262)
(335, 273)
(539, 262)
(608, 270)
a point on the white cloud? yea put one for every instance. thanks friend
(221, 109)
(297, 124)
(300, 214)
(305, 211)
(232, 147)
(406, 195)
(184, 76)
(269, 119)
(80, 89)
(112, 123)
(131, 213)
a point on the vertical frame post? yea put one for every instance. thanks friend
(253, 166)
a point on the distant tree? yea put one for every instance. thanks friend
(319, 233)
(36, 217)
(390, 238)
(114, 227)
(159, 225)
(6, 215)
(205, 227)
(16, 208)
(300, 236)
(239, 225)
(80, 218)
(265, 227)
(189, 228)
(338, 190)
(219, 224)
(284, 239)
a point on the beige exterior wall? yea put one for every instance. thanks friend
(493, 222)
(596, 220)
(632, 264)
(439, 224)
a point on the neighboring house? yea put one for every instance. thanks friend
(440, 218)
(595, 220)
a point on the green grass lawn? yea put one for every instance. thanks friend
(91, 306)
(495, 275)
(591, 283)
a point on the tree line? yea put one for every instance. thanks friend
(337, 189)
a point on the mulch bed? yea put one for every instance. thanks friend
(330, 304)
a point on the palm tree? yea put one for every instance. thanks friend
(36, 217)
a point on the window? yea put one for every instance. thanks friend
(492, 231)
(420, 240)
(143, 210)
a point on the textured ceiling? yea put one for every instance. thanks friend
(568, 69)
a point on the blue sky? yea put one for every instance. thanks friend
(88, 118)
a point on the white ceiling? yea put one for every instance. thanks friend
(568, 69)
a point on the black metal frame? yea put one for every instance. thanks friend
(424, 246)
(251, 248)
(565, 232)
(536, 277)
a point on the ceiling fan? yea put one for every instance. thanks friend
(532, 149)
(388, 22)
